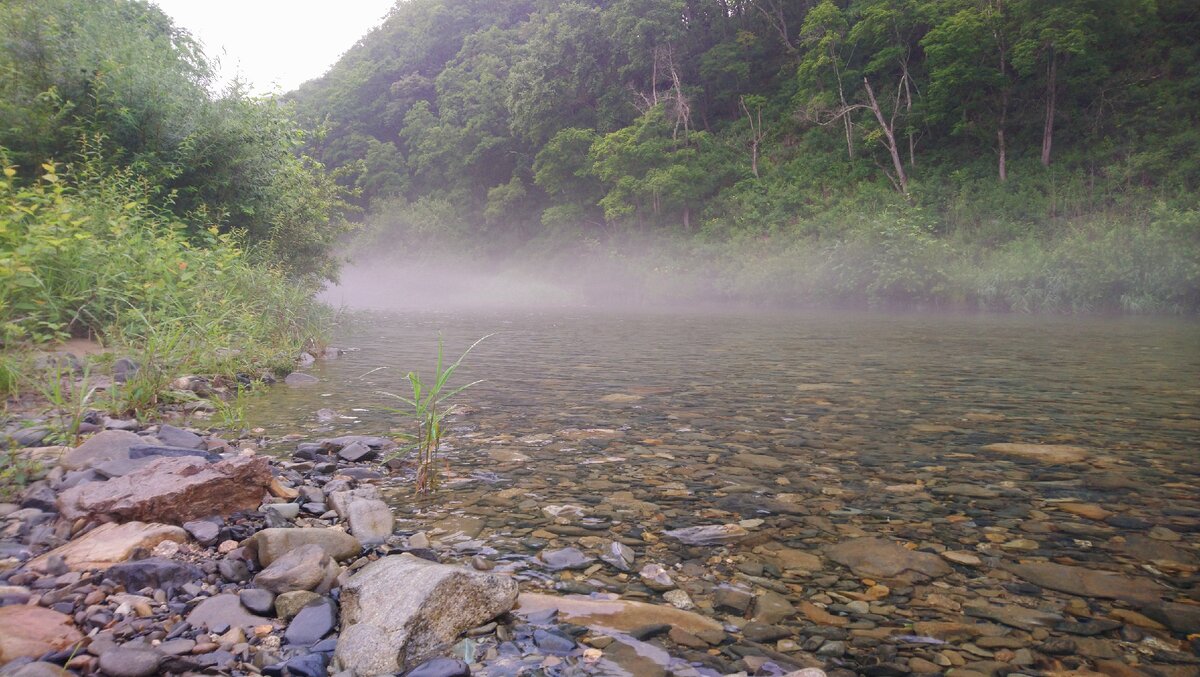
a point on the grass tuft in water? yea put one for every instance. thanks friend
(428, 406)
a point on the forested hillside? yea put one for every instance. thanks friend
(1023, 154)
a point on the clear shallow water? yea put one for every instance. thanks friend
(867, 383)
(809, 430)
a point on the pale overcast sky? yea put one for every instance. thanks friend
(276, 44)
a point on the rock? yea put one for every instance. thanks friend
(224, 610)
(1182, 618)
(397, 610)
(289, 604)
(297, 378)
(233, 570)
(269, 545)
(441, 667)
(771, 607)
(618, 555)
(130, 661)
(335, 443)
(109, 544)
(679, 599)
(312, 623)
(31, 631)
(204, 531)
(144, 451)
(124, 369)
(340, 500)
(820, 616)
(883, 558)
(304, 568)
(370, 521)
(617, 614)
(108, 445)
(961, 557)
(565, 558)
(1013, 615)
(356, 452)
(1087, 582)
(154, 573)
(37, 669)
(258, 601)
(286, 511)
(759, 462)
(655, 577)
(733, 599)
(791, 559)
(1051, 454)
(1151, 549)
(708, 535)
(1088, 510)
(172, 490)
(171, 436)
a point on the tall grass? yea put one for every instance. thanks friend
(89, 253)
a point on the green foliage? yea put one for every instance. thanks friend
(16, 471)
(94, 257)
(903, 152)
(428, 407)
(115, 81)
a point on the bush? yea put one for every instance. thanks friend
(97, 258)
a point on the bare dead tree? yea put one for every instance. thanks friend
(773, 11)
(682, 106)
(888, 127)
(756, 133)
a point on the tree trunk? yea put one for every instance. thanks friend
(890, 137)
(1051, 95)
(845, 109)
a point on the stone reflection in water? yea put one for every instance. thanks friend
(881, 495)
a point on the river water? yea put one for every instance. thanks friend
(805, 430)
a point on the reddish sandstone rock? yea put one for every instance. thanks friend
(30, 631)
(172, 490)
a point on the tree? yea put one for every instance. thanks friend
(970, 78)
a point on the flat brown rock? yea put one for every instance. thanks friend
(882, 558)
(110, 544)
(619, 615)
(1087, 583)
(30, 631)
(1052, 454)
(172, 490)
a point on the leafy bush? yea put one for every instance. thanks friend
(96, 257)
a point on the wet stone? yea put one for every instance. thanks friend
(441, 667)
(565, 558)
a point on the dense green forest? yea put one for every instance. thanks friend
(1015, 154)
(140, 206)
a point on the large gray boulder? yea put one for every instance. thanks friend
(400, 610)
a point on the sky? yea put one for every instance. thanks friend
(276, 44)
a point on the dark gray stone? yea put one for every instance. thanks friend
(258, 600)
(127, 661)
(312, 623)
(204, 531)
(153, 573)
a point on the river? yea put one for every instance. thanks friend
(1005, 439)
